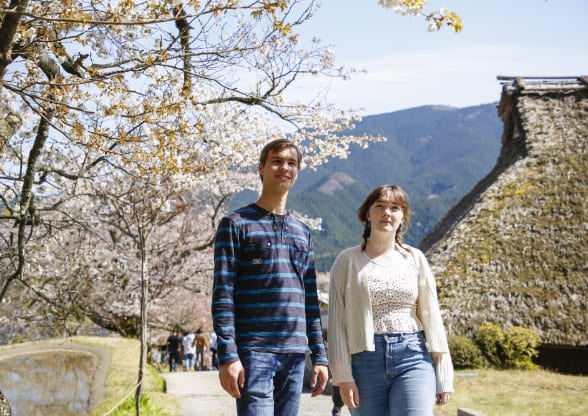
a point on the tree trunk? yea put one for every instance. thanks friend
(143, 241)
(25, 218)
(8, 30)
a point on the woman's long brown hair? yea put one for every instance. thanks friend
(393, 193)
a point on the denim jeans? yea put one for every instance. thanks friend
(188, 361)
(273, 384)
(398, 379)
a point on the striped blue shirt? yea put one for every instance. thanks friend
(264, 295)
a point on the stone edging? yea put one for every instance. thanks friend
(101, 360)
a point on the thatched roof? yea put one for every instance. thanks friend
(514, 250)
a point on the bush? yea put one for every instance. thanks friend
(520, 347)
(465, 353)
(513, 348)
(491, 339)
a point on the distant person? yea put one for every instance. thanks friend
(201, 344)
(264, 300)
(156, 357)
(174, 347)
(387, 344)
(189, 351)
(336, 393)
(213, 355)
(337, 402)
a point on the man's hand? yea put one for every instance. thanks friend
(349, 394)
(232, 377)
(320, 375)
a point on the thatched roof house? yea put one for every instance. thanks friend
(514, 250)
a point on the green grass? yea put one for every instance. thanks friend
(122, 378)
(519, 393)
(491, 392)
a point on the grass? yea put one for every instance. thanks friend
(490, 392)
(519, 393)
(122, 378)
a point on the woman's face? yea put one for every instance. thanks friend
(385, 215)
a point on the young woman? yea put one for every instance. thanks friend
(387, 344)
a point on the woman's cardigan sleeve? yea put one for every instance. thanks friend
(429, 313)
(338, 349)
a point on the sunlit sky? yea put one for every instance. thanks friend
(408, 66)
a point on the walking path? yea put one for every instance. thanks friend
(200, 394)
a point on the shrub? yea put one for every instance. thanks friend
(513, 348)
(520, 347)
(465, 353)
(491, 339)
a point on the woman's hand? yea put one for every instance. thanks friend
(349, 394)
(442, 398)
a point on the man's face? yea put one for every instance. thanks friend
(280, 170)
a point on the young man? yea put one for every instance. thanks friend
(174, 346)
(264, 301)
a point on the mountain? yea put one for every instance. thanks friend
(437, 154)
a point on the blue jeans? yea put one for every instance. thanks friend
(398, 379)
(188, 361)
(273, 384)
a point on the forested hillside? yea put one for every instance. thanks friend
(436, 153)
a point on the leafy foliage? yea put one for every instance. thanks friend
(514, 347)
(491, 340)
(465, 353)
(520, 348)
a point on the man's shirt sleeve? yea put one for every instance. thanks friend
(226, 265)
(313, 317)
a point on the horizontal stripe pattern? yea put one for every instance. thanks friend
(264, 296)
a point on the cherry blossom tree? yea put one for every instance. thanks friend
(436, 19)
(185, 89)
(115, 94)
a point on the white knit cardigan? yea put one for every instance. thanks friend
(351, 324)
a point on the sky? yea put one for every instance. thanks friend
(408, 66)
